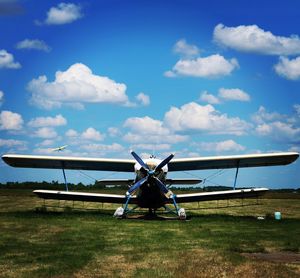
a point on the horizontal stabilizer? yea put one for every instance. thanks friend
(131, 181)
(183, 181)
(220, 195)
(116, 182)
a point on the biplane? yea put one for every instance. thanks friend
(151, 187)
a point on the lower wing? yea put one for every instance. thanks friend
(86, 197)
(220, 195)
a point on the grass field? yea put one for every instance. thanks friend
(231, 242)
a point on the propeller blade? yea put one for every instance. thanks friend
(136, 185)
(140, 161)
(164, 162)
(163, 188)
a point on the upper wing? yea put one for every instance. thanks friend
(74, 163)
(220, 195)
(233, 161)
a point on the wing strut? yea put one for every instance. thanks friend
(236, 173)
(65, 178)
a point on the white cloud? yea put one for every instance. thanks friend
(143, 99)
(233, 94)
(100, 149)
(44, 151)
(197, 118)
(223, 146)
(136, 138)
(58, 120)
(183, 48)
(147, 129)
(213, 66)
(297, 109)
(146, 125)
(8, 143)
(288, 68)
(10, 121)
(47, 142)
(92, 134)
(45, 132)
(1, 97)
(7, 60)
(262, 116)
(71, 133)
(209, 98)
(151, 147)
(280, 131)
(251, 38)
(33, 44)
(113, 132)
(278, 127)
(63, 13)
(75, 86)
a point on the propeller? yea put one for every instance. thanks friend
(151, 173)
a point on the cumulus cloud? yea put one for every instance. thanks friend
(113, 132)
(7, 60)
(101, 149)
(143, 99)
(151, 147)
(10, 121)
(193, 117)
(251, 38)
(278, 127)
(92, 134)
(47, 142)
(8, 143)
(213, 66)
(146, 129)
(63, 13)
(45, 132)
(71, 133)
(146, 125)
(297, 109)
(280, 131)
(58, 120)
(74, 87)
(225, 95)
(233, 94)
(262, 116)
(33, 44)
(223, 146)
(209, 98)
(288, 68)
(181, 47)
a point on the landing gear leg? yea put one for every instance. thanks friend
(120, 211)
(179, 211)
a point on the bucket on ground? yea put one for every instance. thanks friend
(277, 215)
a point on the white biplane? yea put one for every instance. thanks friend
(150, 188)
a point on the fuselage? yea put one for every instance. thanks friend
(149, 194)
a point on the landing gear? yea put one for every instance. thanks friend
(119, 213)
(182, 214)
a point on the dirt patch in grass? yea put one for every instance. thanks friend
(278, 257)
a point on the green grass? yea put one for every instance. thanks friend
(66, 243)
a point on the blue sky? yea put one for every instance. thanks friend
(105, 77)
